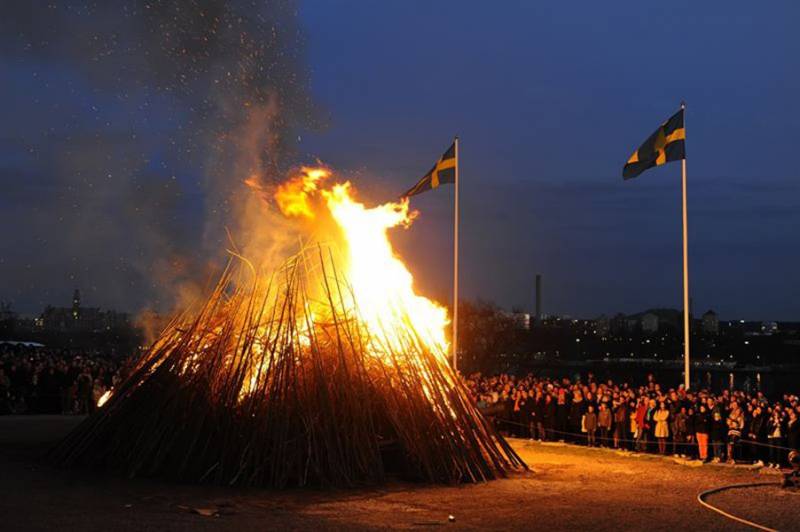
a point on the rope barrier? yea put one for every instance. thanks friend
(701, 496)
(583, 435)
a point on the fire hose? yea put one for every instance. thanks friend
(701, 496)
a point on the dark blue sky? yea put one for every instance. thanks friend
(549, 101)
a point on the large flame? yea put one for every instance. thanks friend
(383, 288)
(382, 285)
(293, 197)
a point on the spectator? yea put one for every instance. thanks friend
(679, 432)
(590, 425)
(661, 418)
(718, 432)
(561, 414)
(620, 422)
(690, 447)
(701, 430)
(793, 430)
(604, 423)
(642, 425)
(735, 424)
(652, 407)
(576, 411)
(555, 409)
(756, 435)
(550, 414)
(40, 380)
(775, 433)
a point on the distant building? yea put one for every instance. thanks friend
(769, 327)
(522, 320)
(649, 323)
(618, 324)
(602, 325)
(57, 319)
(710, 323)
(78, 318)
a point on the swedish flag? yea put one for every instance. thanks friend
(665, 145)
(444, 171)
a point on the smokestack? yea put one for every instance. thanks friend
(538, 297)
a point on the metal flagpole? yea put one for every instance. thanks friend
(455, 267)
(686, 337)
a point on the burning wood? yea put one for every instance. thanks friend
(328, 371)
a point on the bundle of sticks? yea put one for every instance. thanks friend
(274, 381)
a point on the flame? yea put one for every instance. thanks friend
(293, 196)
(382, 286)
(104, 398)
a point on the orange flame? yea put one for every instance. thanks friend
(383, 288)
(382, 285)
(293, 196)
(104, 398)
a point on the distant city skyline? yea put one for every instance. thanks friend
(697, 316)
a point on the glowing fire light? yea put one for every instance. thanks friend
(293, 196)
(104, 398)
(382, 285)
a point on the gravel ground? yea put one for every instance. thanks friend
(569, 488)
(768, 505)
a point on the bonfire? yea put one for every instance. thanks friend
(329, 370)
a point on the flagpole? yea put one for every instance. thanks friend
(455, 265)
(686, 317)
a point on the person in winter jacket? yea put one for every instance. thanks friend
(642, 425)
(775, 431)
(691, 445)
(679, 432)
(576, 410)
(548, 417)
(735, 423)
(562, 414)
(620, 422)
(702, 424)
(590, 425)
(661, 418)
(718, 431)
(756, 435)
(793, 430)
(604, 423)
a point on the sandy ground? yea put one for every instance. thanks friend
(569, 488)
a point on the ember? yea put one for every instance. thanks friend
(329, 370)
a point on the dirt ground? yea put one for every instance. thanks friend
(569, 488)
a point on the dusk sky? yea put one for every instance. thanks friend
(103, 175)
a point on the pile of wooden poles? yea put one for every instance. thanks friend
(274, 381)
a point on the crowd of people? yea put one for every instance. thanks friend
(39, 380)
(731, 426)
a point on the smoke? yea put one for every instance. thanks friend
(141, 121)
